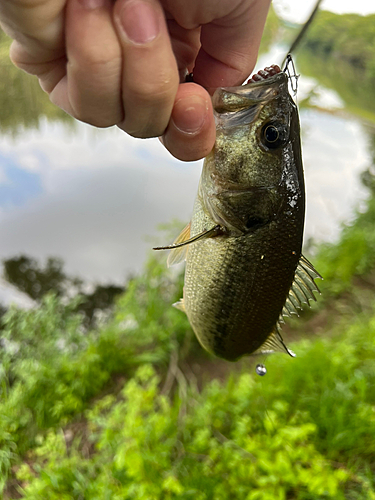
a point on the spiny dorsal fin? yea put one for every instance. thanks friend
(180, 305)
(209, 233)
(179, 254)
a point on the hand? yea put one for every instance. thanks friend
(122, 64)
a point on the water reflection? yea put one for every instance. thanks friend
(22, 102)
(102, 194)
(339, 76)
(335, 153)
(93, 196)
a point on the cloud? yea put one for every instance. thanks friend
(102, 195)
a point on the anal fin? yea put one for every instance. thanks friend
(300, 292)
(274, 343)
(303, 284)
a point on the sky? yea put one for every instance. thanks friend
(298, 10)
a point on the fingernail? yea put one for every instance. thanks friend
(189, 114)
(140, 21)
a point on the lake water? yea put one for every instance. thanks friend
(96, 197)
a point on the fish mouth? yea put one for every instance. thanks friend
(232, 102)
(265, 73)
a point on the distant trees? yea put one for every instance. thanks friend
(28, 276)
(36, 281)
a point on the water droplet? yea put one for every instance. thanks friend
(261, 370)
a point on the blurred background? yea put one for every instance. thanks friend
(104, 392)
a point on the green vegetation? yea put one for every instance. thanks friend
(124, 412)
(354, 254)
(348, 37)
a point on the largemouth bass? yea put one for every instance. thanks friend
(244, 267)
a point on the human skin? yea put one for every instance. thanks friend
(124, 63)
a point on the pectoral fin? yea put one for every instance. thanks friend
(179, 254)
(183, 240)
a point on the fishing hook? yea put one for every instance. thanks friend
(291, 72)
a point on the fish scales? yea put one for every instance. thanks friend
(245, 239)
(236, 286)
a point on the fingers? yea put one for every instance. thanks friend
(116, 77)
(37, 28)
(231, 31)
(191, 132)
(91, 90)
(230, 46)
(37, 25)
(186, 44)
(120, 67)
(149, 74)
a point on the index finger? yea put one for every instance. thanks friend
(229, 46)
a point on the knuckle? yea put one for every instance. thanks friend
(96, 62)
(153, 91)
(148, 104)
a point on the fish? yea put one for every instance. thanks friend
(243, 247)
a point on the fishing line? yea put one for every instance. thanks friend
(303, 30)
(261, 370)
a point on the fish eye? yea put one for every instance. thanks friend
(273, 135)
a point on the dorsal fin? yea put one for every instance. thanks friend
(289, 308)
